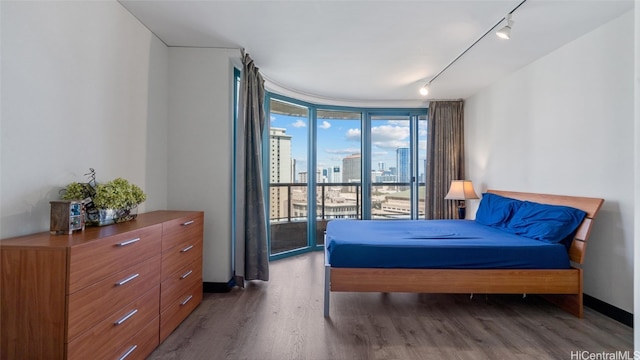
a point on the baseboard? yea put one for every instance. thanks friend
(609, 310)
(218, 287)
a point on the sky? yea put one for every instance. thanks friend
(338, 138)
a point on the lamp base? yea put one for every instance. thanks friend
(462, 211)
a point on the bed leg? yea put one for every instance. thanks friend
(571, 303)
(327, 282)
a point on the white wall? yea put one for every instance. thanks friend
(84, 84)
(200, 147)
(564, 125)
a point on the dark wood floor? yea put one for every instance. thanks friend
(283, 319)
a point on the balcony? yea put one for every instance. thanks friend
(289, 208)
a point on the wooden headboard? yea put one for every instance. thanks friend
(589, 205)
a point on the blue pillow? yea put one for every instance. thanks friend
(495, 210)
(550, 223)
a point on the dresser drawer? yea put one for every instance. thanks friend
(142, 344)
(179, 282)
(179, 231)
(179, 310)
(95, 260)
(110, 335)
(177, 257)
(95, 302)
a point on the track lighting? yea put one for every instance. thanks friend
(424, 91)
(505, 32)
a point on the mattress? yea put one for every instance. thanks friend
(436, 244)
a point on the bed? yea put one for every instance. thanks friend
(495, 254)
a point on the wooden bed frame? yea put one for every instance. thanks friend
(561, 287)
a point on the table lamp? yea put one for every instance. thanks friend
(461, 190)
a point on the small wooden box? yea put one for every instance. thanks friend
(66, 216)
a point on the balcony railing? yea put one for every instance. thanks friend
(289, 208)
(350, 196)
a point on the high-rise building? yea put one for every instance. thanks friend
(423, 172)
(280, 161)
(376, 176)
(282, 170)
(351, 168)
(402, 164)
(336, 175)
(302, 175)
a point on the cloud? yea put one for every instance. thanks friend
(353, 134)
(324, 125)
(347, 151)
(384, 136)
(299, 124)
(389, 136)
(272, 118)
(399, 122)
(391, 144)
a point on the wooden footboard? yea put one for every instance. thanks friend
(457, 281)
(562, 287)
(566, 285)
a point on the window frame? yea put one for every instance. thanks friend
(366, 113)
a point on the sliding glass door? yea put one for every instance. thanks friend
(390, 164)
(338, 159)
(396, 162)
(288, 176)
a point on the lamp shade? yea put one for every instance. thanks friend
(461, 190)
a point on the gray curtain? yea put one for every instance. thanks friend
(445, 157)
(251, 251)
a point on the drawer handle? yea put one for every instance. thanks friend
(185, 301)
(131, 349)
(186, 249)
(188, 223)
(126, 317)
(186, 274)
(128, 242)
(124, 281)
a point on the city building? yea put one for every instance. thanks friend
(336, 176)
(281, 170)
(351, 168)
(402, 165)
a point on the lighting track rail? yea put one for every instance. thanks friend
(425, 89)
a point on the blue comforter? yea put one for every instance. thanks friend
(436, 244)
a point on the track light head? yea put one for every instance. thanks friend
(424, 91)
(505, 32)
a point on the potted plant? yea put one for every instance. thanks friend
(107, 203)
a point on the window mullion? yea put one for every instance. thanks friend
(365, 176)
(413, 163)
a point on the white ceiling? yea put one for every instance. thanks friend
(349, 52)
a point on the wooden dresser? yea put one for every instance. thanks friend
(112, 292)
